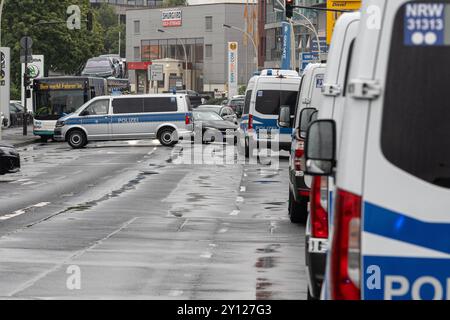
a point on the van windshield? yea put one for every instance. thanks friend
(268, 102)
(416, 117)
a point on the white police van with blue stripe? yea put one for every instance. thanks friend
(391, 230)
(265, 95)
(165, 117)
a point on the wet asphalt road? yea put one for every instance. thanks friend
(138, 224)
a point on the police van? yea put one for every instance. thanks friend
(165, 117)
(334, 93)
(309, 99)
(265, 95)
(391, 229)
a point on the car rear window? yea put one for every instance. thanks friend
(416, 116)
(269, 101)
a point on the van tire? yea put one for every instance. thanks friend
(77, 139)
(166, 137)
(298, 211)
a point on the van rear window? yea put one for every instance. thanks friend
(269, 101)
(248, 98)
(416, 116)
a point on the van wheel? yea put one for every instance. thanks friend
(167, 137)
(77, 139)
(298, 211)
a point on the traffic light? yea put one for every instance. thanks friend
(26, 80)
(90, 23)
(289, 8)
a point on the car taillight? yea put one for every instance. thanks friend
(299, 153)
(346, 249)
(188, 119)
(319, 208)
(250, 122)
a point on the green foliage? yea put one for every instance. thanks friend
(108, 20)
(174, 3)
(242, 90)
(65, 50)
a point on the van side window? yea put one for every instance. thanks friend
(97, 108)
(160, 104)
(248, 98)
(349, 63)
(416, 113)
(128, 105)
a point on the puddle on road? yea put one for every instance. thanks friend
(131, 185)
(265, 263)
(269, 249)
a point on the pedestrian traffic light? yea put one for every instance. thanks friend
(26, 80)
(90, 24)
(289, 8)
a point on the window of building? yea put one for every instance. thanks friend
(209, 23)
(208, 51)
(137, 27)
(137, 53)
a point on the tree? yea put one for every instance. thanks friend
(65, 50)
(174, 3)
(111, 26)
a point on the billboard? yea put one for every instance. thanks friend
(350, 5)
(286, 47)
(5, 80)
(36, 71)
(172, 18)
(233, 74)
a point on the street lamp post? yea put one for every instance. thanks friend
(249, 36)
(185, 55)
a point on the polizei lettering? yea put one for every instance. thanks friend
(128, 120)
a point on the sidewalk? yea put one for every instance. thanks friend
(14, 136)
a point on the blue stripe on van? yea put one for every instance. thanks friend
(167, 117)
(397, 226)
(264, 124)
(420, 278)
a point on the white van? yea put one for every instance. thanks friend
(265, 95)
(391, 230)
(166, 117)
(309, 99)
(332, 106)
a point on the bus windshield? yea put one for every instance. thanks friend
(51, 105)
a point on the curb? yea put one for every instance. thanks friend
(25, 143)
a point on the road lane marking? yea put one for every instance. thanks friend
(206, 255)
(239, 199)
(223, 230)
(23, 211)
(235, 213)
(243, 189)
(175, 293)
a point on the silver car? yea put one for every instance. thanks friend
(166, 117)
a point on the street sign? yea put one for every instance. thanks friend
(35, 69)
(309, 57)
(333, 16)
(26, 43)
(323, 45)
(156, 72)
(5, 79)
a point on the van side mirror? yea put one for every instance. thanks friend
(320, 148)
(305, 117)
(284, 118)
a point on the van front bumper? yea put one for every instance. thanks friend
(58, 135)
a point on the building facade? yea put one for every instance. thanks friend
(155, 34)
(271, 15)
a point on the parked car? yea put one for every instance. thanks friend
(16, 114)
(225, 112)
(237, 104)
(119, 62)
(195, 98)
(9, 159)
(211, 123)
(100, 67)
